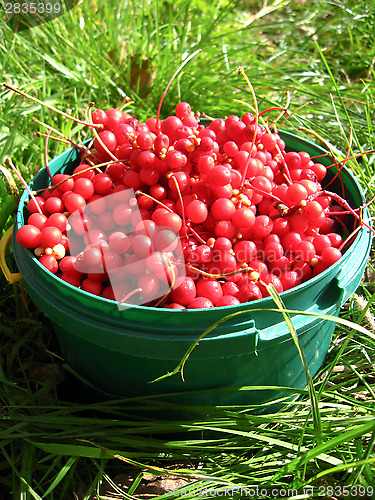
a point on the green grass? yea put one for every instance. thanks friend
(54, 447)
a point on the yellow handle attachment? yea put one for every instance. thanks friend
(4, 244)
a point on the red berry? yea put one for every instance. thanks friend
(28, 236)
(107, 139)
(74, 202)
(36, 219)
(57, 220)
(102, 183)
(243, 217)
(209, 288)
(197, 211)
(330, 256)
(249, 292)
(49, 262)
(184, 291)
(200, 303)
(50, 236)
(222, 209)
(84, 187)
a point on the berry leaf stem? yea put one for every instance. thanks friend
(46, 154)
(182, 65)
(52, 108)
(18, 174)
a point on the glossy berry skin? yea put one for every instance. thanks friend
(49, 262)
(107, 139)
(227, 300)
(50, 236)
(210, 289)
(73, 202)
(197, 211)
(28, 236)
(200, 303)
(184, 291)
(249, 292)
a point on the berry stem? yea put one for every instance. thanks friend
(170, 83)
(18, 174)
(271, 109)
(225, 275)
(182, 206)
(58, 139)
(199, 238)
(346, 205)
(341, 223)
(349, 238)
(158, 202)
(325, 143)
(104, 146)
(171, 286)
(82, 149)
(130, 294)
(52, 108)
(293, 113)
(266, 194)
(241, 72)
(46, 154)
(342, 161)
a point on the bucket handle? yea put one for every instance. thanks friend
(4, 244)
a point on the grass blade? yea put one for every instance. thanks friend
(313, 397)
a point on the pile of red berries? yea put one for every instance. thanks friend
(184, 215)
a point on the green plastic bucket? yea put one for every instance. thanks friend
(121, 351)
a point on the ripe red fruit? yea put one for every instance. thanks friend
(200, 303)
(170, 219)
(49, 262)
(219, 175)
(38, 220)
(245, 251)
(197, 211)
(72, 280)
(330, 256)
(184, 291)
(270, 278)
(107, 139)
(222, 209)
(209, 288)
(174, 305)
(102, 183)
(99, 116)
(119, 242)
(169, 126)
(142, 245)
(32, 206)
(227, 300)
(182, 109)
(28, 236)
(73, 202)
(243, 217)
(249, 292)
(91, 286)
(84, 187)
(50, 236)
(175, 159)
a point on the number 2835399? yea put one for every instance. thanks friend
(37, 8)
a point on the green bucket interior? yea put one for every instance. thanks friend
(121, 351)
